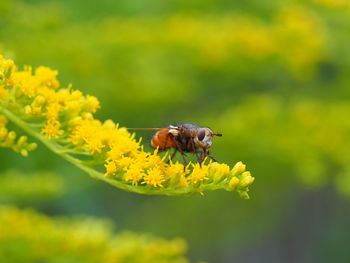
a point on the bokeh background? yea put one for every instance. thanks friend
(272, 76)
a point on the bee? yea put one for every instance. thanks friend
(184, 138)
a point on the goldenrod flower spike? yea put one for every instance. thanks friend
(62, 119)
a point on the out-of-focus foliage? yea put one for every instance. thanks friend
(312, 136)
(17, 186)
(27, 236)
(170, 59)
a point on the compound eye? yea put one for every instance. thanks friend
(201, 134)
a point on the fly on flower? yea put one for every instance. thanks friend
(184, 138)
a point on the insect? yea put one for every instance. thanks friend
(184, 138)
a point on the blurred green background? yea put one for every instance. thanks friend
(272, 76)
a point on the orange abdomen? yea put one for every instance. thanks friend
(162, 139)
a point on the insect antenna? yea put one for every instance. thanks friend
(144, 128)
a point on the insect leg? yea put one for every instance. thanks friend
(211, 157)
(200, 160)
(172, 156)
(184, 160)
(179, 148)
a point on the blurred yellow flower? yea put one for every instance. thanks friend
(46, 239)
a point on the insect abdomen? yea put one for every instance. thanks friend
(162, 139)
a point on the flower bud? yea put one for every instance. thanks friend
(238, 169)
(32, 146)
(219, 171)
(88, 116)
(243, 195)
(10, 138)
(21, 141)
(234, 182)
(40, 100)
(111, 168)
(36, 110)
(3, 133)
(28, 109)
(109, 124)
(3, 121)
(24, 152)
(246, 180)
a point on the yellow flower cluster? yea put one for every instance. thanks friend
(65, 117)
(44, 239)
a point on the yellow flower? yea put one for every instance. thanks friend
(52, 111)
(124, 162)
(151, 160)
(47, 77)
(183, 181)
(199, 174)
(134, 174)
(3, 121)
(111, 168)
(115, 153)
(52, 129)
(94, 144)
(91, 104)
(3, 92)
(175, 169)
(26, 82)
(48, 94)
(32, 109)
(219, 170)
(6, 64)
(154, 178)
(3, 133)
